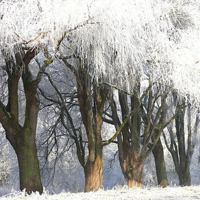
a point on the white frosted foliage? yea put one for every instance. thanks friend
(119, 38)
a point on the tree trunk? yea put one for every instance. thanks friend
(22, 138)
(135, 177)
(131, 164)
(25, 147)
(91, 108)
(94, 166)
(28, 163)
(160, 165)
(184, 164)
(94, 174)
(184, 175)
(185, 179)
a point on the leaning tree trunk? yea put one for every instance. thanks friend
(160, 164)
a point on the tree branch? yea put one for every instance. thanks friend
(127, 118)
(160, 131)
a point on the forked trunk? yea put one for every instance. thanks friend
(22, 138)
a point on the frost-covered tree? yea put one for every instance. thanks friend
(116, 39)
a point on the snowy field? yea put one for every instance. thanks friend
(176, 193)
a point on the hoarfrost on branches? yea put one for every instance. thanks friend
(120, 39)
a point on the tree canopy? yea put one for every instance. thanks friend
(125, 39)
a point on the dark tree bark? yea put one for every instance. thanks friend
(160, 165)
(91, 100)
(183, 172)
(22, 138)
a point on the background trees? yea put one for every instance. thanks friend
(182, 140)
(91, 98)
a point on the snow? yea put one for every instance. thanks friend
(192, 192)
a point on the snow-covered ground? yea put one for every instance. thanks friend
(176, 193)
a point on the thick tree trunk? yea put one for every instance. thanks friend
(135, 177)
(94, 166)
(185, 179)
(131, 164)
(94, 174)
(184, 176)
(160, 165)
(132, 167)
(28, 163)
(25, 146)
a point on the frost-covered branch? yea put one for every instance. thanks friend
(120, 40)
